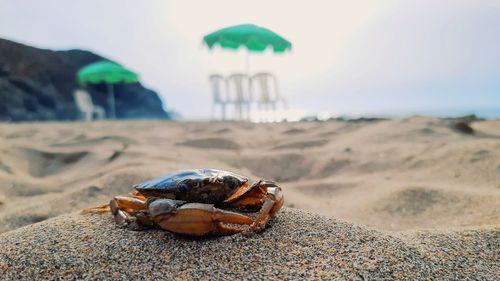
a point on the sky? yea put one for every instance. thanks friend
(386, 57)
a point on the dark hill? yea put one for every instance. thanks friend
(38, 84)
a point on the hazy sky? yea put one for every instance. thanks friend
(348, 56)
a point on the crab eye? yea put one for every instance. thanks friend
(232, 183)
(182, 187)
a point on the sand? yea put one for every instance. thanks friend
(411, 197)
(298, 245)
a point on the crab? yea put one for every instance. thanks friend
(197, 202)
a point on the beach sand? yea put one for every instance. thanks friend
(397, 198)
(297, 245)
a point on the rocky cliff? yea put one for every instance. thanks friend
(38, 84)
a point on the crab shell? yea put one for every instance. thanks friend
(208, 186)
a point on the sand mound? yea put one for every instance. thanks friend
(324, 189)
(302, 144)
(24, 190)
(39, 163)
(294, 131)
(415, 201)
(39, 203)
(281, 167)
(223, 131)
(211, 143)
(431, 208)
(82, 140)
(332, 166)
(298, 245)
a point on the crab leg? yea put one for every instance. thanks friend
(122, 207)
(195, 218)
(263, 193)
(128, 204)
(272, 204)
(133, 201)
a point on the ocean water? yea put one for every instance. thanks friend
(293, 114)
(487, 113)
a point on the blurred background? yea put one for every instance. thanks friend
(422, 64)
(370, 58)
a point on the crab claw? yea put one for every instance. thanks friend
(194, 218)
(250, 194)
(263, 193)
(272, 203)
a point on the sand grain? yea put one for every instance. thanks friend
(298, 245)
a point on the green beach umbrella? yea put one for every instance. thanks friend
(109, 73)
(254, 38)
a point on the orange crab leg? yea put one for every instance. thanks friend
(250, 195)
(122, 207)
(263, 193)
(272, 204)
(98, 209)
(128, 204)
(131, 202)
(200, 219)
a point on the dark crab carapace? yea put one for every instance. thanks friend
(197, 202)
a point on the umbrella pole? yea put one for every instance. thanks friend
(247, 72)
(111, 102)
(247, 64)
